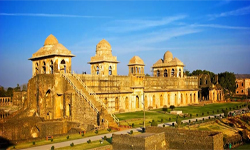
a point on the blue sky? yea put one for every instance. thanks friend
(207, 35)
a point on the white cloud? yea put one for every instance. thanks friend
(220, 26)
(237, 12)
(136, 25)
(50, 15)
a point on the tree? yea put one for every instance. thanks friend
(187, 73)
(9, 92)
(24, 88)
(227, 81)
(172, 107)
(147, 75)
(17, 88)
(178, 121)
(2, 92)
(199, 72)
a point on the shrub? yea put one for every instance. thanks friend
(164, 125)
(89, 141)
(14, 147)
(203, 119)
(131, 131)
(207, 112)
(154, 123)
(197, 115)
(213, 111)
(164, 109)
(33, 142)
(109, 129)
(190, 115)
(189, 121)
(67, 137)
(52, 147)
(105, 137)
(196, 120)
(72, 144)
(83, 134)
(169, 119)
(202, 114)
(225, 113)
(172, 107)
(209, 117)
(218, 111)
(96, 131)
(178, 121)
(133, 125)
(161, 120)
(51, 140)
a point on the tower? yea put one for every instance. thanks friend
(103, 63)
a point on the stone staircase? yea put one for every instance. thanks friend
(87, 94)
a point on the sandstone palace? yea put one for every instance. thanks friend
(66, 102)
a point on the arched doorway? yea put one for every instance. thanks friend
(161, 100)
(64, 65)
(165, 73)
(137, 102)
(116, 104)
(51, 67)
(126, 103)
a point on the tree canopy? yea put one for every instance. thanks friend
(227, 81)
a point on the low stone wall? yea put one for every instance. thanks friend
(190, 139)
(139, 142)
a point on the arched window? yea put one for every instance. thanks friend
(200, 81)
(175, 99)
(168, 99)
(237, 85)
(51, 67)
(44, 67)
(181, 99)
(132, 70)
(139, 69)
(105, 101)
(64, 65)
(186, 98)
(191, 98)
(165, 73)
(97, 70)
(242, 84)
(194, 97)
(110, 70)
(180, 73)
(206, 81)
(241, 91)
(136, 70)
(158, 73)
(172, 72)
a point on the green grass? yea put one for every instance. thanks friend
(158, 114)
(93, 144)
(245, 146)
(58, 139)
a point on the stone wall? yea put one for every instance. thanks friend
(19, 98)
(139, 142)
(190, 139)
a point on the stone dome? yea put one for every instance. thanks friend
(168, 56)
(51, 40)
(103, 45)
(136, 60)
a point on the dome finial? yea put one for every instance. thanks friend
(51, 40)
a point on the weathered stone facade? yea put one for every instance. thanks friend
(242, 86)
(145, 141)
(190, 139)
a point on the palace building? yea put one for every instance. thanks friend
(84, 101)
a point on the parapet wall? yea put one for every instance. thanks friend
(125, 142)
(190, 139)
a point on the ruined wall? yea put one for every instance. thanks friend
(126, 142)
(19, 129)
(19, 98)
(190, 139)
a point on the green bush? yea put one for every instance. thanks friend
(197, 115)
(72, 144)
(109, 129)
(52, 147)
(164, 125)
(165, 109)
(225, 113)
(190, 115)
(14, 147)
(161, 120)
(172, 107)
(89, 141)
(207, 112)
(83, 134)
(133, 125)
(96, 131)
(131, 131)
(202, 114)
(178, 121)
(51, 140)
(169, 119)
(154, 123)
(33, 142)
(67, 137)
(105, 137)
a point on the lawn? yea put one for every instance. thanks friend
(93, 144)
(58, 139)
(136, 118)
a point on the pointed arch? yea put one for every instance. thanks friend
(110, 70)
(137, 101)
(165, 73)
(161, 100)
